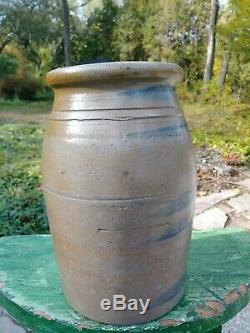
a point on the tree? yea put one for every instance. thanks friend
(8, 65)
(224, 68)
(173, 30)
(30, 25)
(5, 40)
(66, 32)
(184, 33)
(234, 33)
(94, 41)
(211, 41)
(128, 33)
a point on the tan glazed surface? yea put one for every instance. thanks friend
(119, 183)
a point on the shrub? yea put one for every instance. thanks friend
(28, 88)
(22, 209)
(8, 65)
(9, 87)
(25, 88)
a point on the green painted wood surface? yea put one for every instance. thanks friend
(217, 286)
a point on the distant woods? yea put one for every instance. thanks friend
(210, 42)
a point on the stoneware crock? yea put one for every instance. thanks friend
(119, 184)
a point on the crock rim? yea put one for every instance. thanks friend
(130, 70)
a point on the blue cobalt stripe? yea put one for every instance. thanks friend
(170, 293)
(175, 205)
(157, 92)
(174, 230)
(179, 129)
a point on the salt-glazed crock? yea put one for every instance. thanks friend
(119, 183)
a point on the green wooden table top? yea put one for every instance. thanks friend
(217, 286)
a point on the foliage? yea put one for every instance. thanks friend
(239, 79)
(103, 30)
(222, 127)
(25, 88)
(21, 204)
(186, 36)
(8, 65)
(21, 201)
(234, 37)
(128, 34)
(95, 41)
(9, 85)
(31, 29)
(22, 107)
(211, 95)
(164, 30)
(234, 26)
(31, 24)
(28, 88)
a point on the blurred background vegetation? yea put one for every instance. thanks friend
(209, 39)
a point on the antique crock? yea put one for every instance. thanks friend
(119, 183)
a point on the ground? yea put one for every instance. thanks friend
(221, 136)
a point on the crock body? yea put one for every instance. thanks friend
(119, 184)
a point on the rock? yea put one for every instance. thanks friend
(210, 219)
(211, 200)
(225, 208)
(204, 169)
(234, 172)
(201, 193)
(245, 183)
(238, 221)
(240, 203)
(222, 170)
(246, 215)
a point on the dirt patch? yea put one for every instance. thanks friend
(235, 294)
(210, 309)
(216, 173)
(15, 117)
(170, 322)
(42, 314)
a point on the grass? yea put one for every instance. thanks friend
(22, 209)
(24, 107)
(224, 127)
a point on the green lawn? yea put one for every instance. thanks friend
(223, 127)
(21, 201)
(18, 106)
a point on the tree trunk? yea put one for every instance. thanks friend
(211, 41)
(224, 69)
(6, 41)
(1, 83)
(66, 33)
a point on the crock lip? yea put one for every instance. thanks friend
(131, 70)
